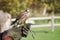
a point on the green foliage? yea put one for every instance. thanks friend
(57, 6)
(17, 6)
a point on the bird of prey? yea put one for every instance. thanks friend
(22, 17)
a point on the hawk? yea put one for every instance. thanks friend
(22, 17)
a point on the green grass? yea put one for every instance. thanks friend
(41, 21)
(57, 21)
(44, 33)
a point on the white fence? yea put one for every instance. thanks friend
(31, 20)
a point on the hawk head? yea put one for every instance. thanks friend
(27, 11)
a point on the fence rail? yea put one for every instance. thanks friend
(31, 20)
(43, 18)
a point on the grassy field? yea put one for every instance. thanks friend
(44, 33)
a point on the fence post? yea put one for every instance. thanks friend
(52, 23)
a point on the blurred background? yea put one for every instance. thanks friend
(36, 7)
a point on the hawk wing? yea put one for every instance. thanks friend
(23, 18)
(19, 17)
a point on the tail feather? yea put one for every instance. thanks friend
(14, 22)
